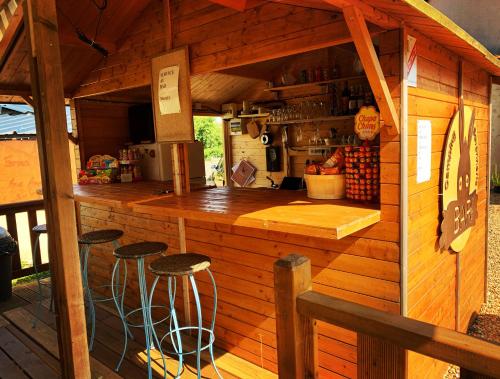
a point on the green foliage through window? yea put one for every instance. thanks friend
(208, 130)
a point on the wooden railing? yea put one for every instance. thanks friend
(10, 211)
(383, 338)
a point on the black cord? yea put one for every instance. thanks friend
(101, 7)
(81, 35)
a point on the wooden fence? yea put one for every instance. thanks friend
(383, 338)
(10, 211)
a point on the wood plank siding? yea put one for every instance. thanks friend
(218, 38)
(431, 272)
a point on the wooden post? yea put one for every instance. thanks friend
(380, 359)
(297, 335)
(368, 56)
(48, 97)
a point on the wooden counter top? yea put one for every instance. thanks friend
(279, 210)
(121, 194)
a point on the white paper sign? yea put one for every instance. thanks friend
(424, 150)
(411, 62)
(168, 90)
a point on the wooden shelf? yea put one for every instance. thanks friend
(313, 84)
(129, 161)
(317, 119)
(256, 115)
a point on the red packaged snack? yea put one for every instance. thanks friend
(312, 169)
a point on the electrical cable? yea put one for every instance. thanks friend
(81, 35)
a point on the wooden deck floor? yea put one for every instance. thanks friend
(27, 352)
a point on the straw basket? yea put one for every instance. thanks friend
(325, 186)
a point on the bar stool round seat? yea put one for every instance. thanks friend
(86, 241)
(140, 250)
(180, 264)
(175, 267)
(39, 229)
(100, 236)
(137, 252)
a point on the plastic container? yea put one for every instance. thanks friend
(325, 186)
(8, 246)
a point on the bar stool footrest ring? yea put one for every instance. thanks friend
(127, 315)
(98, 299)
(195, 328)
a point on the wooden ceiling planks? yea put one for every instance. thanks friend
(12, 22)
(78, 59)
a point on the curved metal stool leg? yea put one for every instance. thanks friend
(40, 294)
(153, 331)
(173, 319)
(144, 304)
(85, 258)
(119, 307)
(212, 327)
(116, 245)
(200, 322)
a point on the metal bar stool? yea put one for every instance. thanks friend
(179, 265)
(86, 241)
(39, 230)
(138, 251)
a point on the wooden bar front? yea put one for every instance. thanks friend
(357, 267)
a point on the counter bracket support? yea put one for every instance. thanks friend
(368, 56)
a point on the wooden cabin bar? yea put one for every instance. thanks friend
(291, 81)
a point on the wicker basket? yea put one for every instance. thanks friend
(325, 186)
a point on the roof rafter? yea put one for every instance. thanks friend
(12, 31)
(370, 13)
(239, 5)
(366, 51)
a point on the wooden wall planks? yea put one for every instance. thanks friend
(102, 128)
(432, 274)
(215, 43)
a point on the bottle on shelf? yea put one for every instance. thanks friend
(361, 97)
(353, 101)
(335, 70)
(335, 102)
(345, 100)
(368, 96)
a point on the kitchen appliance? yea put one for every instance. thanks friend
(156, 163)
(273, 160)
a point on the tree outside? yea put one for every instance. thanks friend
(209, 131)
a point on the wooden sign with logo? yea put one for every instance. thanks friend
(367, 123)
(459, 178)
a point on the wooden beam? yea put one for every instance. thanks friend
(315, 4)
(371, 14)
(10, 35)
(423, 338)
(50, 116)
(297, 336)
(239, 5)
(366, 51)
(12, 90)
(167, 24)
(28, 100)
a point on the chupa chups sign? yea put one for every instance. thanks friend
(367, 123)
(459, 178)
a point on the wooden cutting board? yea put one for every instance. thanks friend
(253, 128)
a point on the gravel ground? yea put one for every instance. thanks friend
(487, 324)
